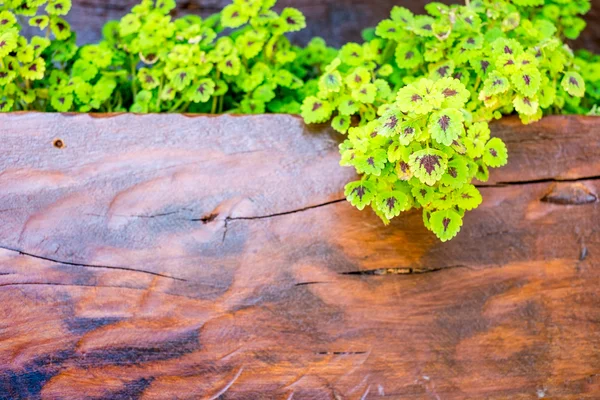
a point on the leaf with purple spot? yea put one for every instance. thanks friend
(495, 154)
(573, 84)
(371, 163)
(445, 224)
(341, 123)
(428, 165)
(315, 110)
(360, 193)
(408, 56)
(392, 203)
(468, 197)
(446, 126)
(456, 174)
(527, 81)
(455, 93)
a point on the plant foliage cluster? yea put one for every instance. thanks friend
(238, 60)
(414, 99)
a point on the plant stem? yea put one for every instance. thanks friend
(177, 105)
(213, 109)
(160, 89)
(133, 85)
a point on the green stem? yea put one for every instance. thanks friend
(160, 89)
(132, 66)
(177, 105)
(213, 109)
(477, 83)
(221, 101)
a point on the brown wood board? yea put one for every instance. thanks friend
(171, 256)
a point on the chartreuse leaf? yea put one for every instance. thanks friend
(445, 224)
(428, 165)
(495, 153)
(360, 194)
(573, 84)
(456, 174)
(315, 110)
(201, 91)
(468, 197)
(330, 82)
(341, 123)
(446, 126)
(392, 203)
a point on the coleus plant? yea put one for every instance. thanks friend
(23, 61)
(238, 60)
(416, 97)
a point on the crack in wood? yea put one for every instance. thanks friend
(535, 181)
(211, 217)
(310, 283)
(340, 353)
(403, 270)
(26, 254)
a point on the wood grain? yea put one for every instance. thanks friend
(337, 21)
(171, 256)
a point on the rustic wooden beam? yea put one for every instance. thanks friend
(171, 256)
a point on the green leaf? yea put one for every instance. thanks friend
(360, 194)
(61, 102)
(352, 54)
(468, 197)
(34, 70)
(477, 136)
(84, 70)
(495, 83)
(495, 153)
(445, 224)
(424, 194)
(315, 110)
(129, 24)
(330, 82)
(372, 163)
(201, 91)
(428, 165)
(365, 93)
(392, 203)
(341, 123)
(60, 28)
(525, 105)
(58, 7)
(8, 41)
(573, 84)
(233, 16)
(456, 174)
(40, 21)
(446, 126)
(527, 81)
(348, 106)
(408, 56)
(454, 92)
(293, 20)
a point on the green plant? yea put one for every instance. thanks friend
(23, 62)
(238, 60)
(415, 99)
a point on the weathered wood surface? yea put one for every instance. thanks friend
(176, 257)
(337, 21)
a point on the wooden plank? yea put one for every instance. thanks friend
(169, 256)
(338, 21)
